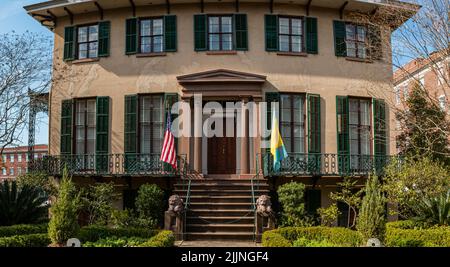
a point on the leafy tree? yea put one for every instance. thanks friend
(329, 215)
(351, 196)
(291, 198)
(64, 212)
(425, 129)
(97, 201)
(41, 180)
(21, 204)
(407, 182)
(372, 217)
(149, 204)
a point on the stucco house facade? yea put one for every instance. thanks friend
(120, 65)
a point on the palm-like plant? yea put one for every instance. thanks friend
(21, 205)
(435, 210)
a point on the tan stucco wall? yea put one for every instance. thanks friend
(119, 75)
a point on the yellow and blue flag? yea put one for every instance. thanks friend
(277, 148)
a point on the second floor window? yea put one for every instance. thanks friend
(151, 35)
(11, 171)
(292, 122)
(85, 126)
(356, 40)
(359, 126)
(87, 42)
(19, 157)
(290, 34)
(11, 158)
(151, 115)
(220, 32)
(4, 171)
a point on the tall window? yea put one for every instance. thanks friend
(151, 115)
(11, 171)
(360, 126)
(11, 158)
(151, 35)
(292, 120)
(19, 157)
(290, 34)
(356, 40)
(88, 42)
(85, 126)
(4, 171)
(220, 32)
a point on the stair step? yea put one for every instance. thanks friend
(220, 236)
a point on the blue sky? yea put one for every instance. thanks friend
(14, 17)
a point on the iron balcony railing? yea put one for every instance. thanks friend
(325, 164)
(110, 165)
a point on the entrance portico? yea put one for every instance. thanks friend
(235, 154)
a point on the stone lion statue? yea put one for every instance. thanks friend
(264, 206)
(175, 204)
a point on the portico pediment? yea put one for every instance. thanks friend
(221, 76)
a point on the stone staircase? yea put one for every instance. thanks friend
(221, 207)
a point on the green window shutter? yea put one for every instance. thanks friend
(379, 123)
(313, 201)
(342, 129)
(170, 33)
(102, 134)
(314, 127)
(131, 36)
(271, 32)
(312, 46)
(200, 32)
(340, 47)
(66, 127)
(131, 129)
(241, 34)
(376, 48)
(69, 43)
(104, 29)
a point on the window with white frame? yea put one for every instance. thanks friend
(405, 92)
(11, 158)
(4, 171)
(19, 157)
(11, 171)
(356, 40)
(151, 35)
(87, 41)
(397, 95)
(19, 170)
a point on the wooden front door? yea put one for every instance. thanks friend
(222, 154)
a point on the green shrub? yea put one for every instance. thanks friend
(432, 237)
(338, 236)
(149, 204)
(371, 222)
(328, 216)
(291, 198)
(93, 233)
(406, 224)
(97, 201)
(274, 239)
(64, 212)
(162, 239)
(32, 240)
(115, 241)
(23, 229)
(303, 242)
(21, 204)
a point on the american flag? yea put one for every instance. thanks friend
(168, 153)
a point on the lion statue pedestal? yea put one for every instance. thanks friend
(265, 218)
(174, 217)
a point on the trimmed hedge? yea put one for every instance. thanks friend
(23, 229)
(94, 232)
(283, 237)
(432, 237)
(164, 239)
(32, 240)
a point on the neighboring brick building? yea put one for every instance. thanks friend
(432, 73)
(14, 160)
